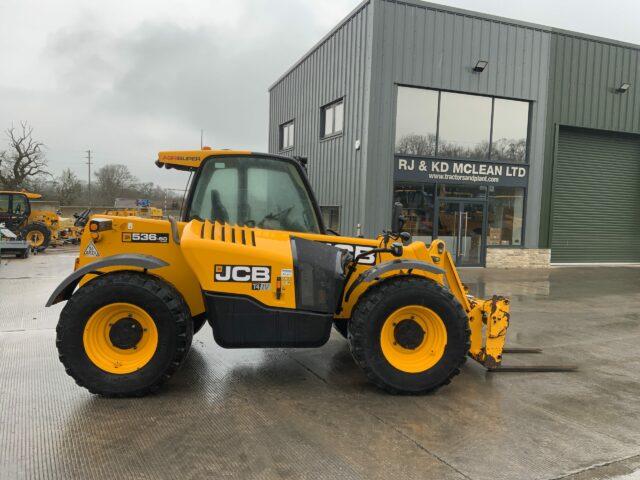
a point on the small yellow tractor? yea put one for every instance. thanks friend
(41, 228)
(37, 227)
(251, 257)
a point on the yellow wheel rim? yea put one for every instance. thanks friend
(35, 238)
(413, 338)
(120, 338)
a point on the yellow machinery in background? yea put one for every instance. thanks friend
(251, 257)
(143, 212)
(40, 227)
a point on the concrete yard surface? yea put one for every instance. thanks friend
(291, 414)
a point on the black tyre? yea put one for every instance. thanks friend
(409, 335)
(124, 334)
(341, 325)
(37, 234)
(24, 254)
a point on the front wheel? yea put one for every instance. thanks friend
(124, 334)
(38, 235)
(410, 335)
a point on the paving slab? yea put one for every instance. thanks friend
(281, 414)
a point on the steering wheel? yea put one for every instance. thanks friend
(280, 216)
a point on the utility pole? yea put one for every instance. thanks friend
(89, 174)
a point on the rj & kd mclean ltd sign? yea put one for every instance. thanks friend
(412, 169)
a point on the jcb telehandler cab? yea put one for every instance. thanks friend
(251, 257)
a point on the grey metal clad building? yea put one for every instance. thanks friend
(516, 143)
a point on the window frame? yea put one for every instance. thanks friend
(281, 130)
(486, 198)
(323, 116)
(491, 124)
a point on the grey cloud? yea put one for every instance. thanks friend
(127, 86)
(129, 93)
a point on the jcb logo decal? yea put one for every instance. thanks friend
(356, 250)
(242, 273)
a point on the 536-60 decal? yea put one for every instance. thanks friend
(134, 237)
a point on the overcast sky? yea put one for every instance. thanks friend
(129, 78)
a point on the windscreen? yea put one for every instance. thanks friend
(254, 192)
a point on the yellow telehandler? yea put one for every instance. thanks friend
(251, 257)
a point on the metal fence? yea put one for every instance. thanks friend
(69, 210)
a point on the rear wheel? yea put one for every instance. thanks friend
(410, 335)
(37, 234)
(124, 334)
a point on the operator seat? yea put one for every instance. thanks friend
(219, 212)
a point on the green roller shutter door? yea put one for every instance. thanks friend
(596, 198)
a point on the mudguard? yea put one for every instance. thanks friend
(375, 272)
(68, 285)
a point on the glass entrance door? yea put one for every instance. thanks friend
(461, 226)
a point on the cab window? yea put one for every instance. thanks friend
(20, 205)
(4, 203)
(255, 192)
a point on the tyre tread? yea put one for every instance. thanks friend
(363, 314)
(168, 294)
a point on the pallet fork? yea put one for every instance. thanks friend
(489, 321)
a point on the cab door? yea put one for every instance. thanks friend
(14, 210)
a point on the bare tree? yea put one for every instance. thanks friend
(113, 181)
(509, 149)
(416, 144)
(68, 187)
(24, 160)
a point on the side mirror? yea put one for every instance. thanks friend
(398, 219)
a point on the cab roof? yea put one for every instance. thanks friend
(192, 159)
(30, 195)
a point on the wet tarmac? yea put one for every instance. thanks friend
(290, 414)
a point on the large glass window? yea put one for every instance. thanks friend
(253, 191)
(506, 208)
(416, 121)
(510, 123)
(465, 126)
(418, 201)
(430, 123)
